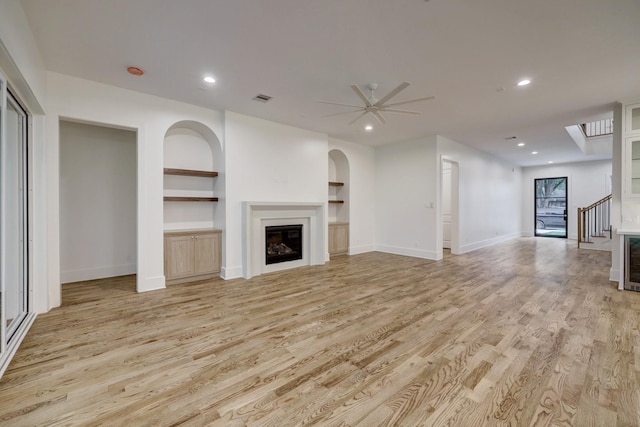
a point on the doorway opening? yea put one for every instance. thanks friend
(449, 182)
(98, 201)
(551, 207)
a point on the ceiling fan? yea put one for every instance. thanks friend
(375, 106)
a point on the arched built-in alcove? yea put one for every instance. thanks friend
(193, 193)
(339, 201)
(192, 146)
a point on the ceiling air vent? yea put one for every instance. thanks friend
(262, 97)
(509, 138)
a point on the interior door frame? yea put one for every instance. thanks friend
(566, 204)
(455, 206)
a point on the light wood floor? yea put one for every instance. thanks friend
(529, 332)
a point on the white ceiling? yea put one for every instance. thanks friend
(582, 55)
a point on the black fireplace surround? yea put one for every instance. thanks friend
(283, 243)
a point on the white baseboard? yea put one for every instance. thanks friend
(416, 253)
(150, 284)
(71, 276)
(228, 273)
(355, 250)
(489, 242)
(614, 275)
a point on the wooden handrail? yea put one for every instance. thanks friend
(599, 202)
(585, 220)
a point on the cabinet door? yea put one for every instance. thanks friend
(207, 253)
(633, 119)
(178, 256)
(338, 238)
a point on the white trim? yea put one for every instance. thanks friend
(354, 250)
(97, 273)
(228, 273)
(12, 347)
(489, 242)
(416, 253)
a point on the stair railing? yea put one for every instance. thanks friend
(594, 220)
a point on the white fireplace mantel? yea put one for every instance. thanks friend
(257, 215)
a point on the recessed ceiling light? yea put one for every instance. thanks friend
(524, 82)
(209, 79)
(368, 128)
(135, 71)
(534, 152)
(520, 144)
(550, 161)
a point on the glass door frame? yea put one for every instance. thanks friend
(11, 101)
(565, 213)
(12, 335)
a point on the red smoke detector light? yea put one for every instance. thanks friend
(135, 71)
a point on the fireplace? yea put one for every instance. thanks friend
(257, 216)
(283, 243)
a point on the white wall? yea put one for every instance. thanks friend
(20, 58)
(150, 117)
(405, 198)
(21, 63)
(268, 162)
(587, 183)
(362, 194)
(489, 201)
(408, 198)
(97, 202)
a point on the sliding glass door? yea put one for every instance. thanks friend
(14, 229)
(551, 207)
(14, 283)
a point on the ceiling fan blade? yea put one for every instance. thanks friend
(391, 110)
(426, 98)
(358, 118)
(361, 95)
(337, 103)
(379, 117)
(342, 113)
(402, 86)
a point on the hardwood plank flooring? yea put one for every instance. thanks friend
(525, 333)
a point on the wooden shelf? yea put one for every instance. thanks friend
(336, 201)
(335, 184)
(189, 199)
(190, 172)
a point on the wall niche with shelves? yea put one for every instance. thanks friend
(193, 184)
(193, 188)
(338, 200)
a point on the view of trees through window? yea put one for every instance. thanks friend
(551, 207)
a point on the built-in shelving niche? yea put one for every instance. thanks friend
(338, 199)
(192, 182)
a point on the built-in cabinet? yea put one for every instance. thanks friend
(338, 199)
(632, 119)
(629, 229)
(192, 255)
(193, 223)
(631, 139)
(338, 238)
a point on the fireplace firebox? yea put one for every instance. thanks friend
(283, 243)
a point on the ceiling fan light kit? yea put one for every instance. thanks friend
(377, 107)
